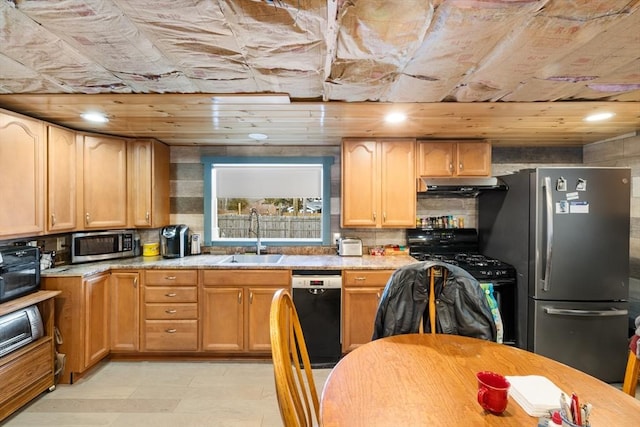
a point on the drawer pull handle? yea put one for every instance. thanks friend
(378, 295)
(361, 278)
(171, 331)
(171, 311)
(240, 297)
(170, 277)
(171, 295)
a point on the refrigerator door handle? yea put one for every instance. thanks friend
(549, 231)
(592, 313)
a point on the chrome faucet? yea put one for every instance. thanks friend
(256, 231)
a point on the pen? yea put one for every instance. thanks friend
(575, 409)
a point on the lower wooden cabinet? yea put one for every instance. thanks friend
(361, 294)
(125, 311)
(83, 317)
(170, 321)
(29, 370)
(235, 308)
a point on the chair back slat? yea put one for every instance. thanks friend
(295, 387)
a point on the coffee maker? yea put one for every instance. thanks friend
(174, 241)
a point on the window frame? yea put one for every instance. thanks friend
(325, 161)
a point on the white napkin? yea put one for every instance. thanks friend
(536, 394)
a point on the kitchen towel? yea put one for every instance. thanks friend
(536, 394)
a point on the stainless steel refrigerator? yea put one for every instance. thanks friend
(566, 231)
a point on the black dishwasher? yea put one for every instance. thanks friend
(317, 297)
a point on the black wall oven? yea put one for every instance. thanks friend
(19, 271)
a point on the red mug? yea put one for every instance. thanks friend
(493, 391)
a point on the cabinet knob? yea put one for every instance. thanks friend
(86, 218)
(53, 219)
(135, 282)
(460, 166)
(240, 297)
(450, 166)
(146, 217)
(171, 331)
(378, 294)
(170, 295)
(250, 297)
(374, 216)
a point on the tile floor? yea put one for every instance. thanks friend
(159, 394)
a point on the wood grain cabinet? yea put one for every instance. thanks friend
(82, 316)
(235, 308)
(361, 294)
(148, 183)
(125, 312)
(170, 310)
(378, 183)
(453, 158)
(28, 371)
(22, 175)
(62, 154)
(104, 181)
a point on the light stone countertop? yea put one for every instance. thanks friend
(288, 262)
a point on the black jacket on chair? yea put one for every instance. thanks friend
(461, 304)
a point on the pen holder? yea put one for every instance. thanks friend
(565, 420)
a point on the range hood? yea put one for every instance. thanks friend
(461, 187)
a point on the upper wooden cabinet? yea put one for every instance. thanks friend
(378, 183)
(104, 169)
(453, 158)
(148, 183)
(62, 148)
(22, 176)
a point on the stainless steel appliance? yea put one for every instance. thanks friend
(19, 271)
(566, 231)
(174, 241)
(350, 246)
(19, 328)
(103, 245)
(316, 295)
(459, 246)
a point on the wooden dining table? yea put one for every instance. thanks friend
(430, 380)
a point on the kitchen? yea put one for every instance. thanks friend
(615, 148)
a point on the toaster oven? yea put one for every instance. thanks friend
(20, 328)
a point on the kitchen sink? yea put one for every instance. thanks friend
(252, 259)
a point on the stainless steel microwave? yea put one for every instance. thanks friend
(103, 245)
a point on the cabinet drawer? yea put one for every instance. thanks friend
(171, 335)
(366, 277)
(171, 311)
(170, 294)
(19, 373)
(171, 277)
(246, 277)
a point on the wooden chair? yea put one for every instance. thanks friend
(295, 389)
(631, 374)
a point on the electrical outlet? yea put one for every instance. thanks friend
(60, 243)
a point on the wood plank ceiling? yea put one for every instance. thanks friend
(521, 72)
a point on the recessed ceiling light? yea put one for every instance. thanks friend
(395, 118)
(598, 117)
(95, 117)
(258, 136)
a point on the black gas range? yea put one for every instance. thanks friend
(459, 246)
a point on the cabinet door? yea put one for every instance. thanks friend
(61, 172)
(148, 182)
(436, 158)
(22, 176)
(105, 182)
(360, 184)
(222, 319)
(360, 307)
(125, 311)
(96, 318)
(398, 186)
(474, 158)
(259, 308)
